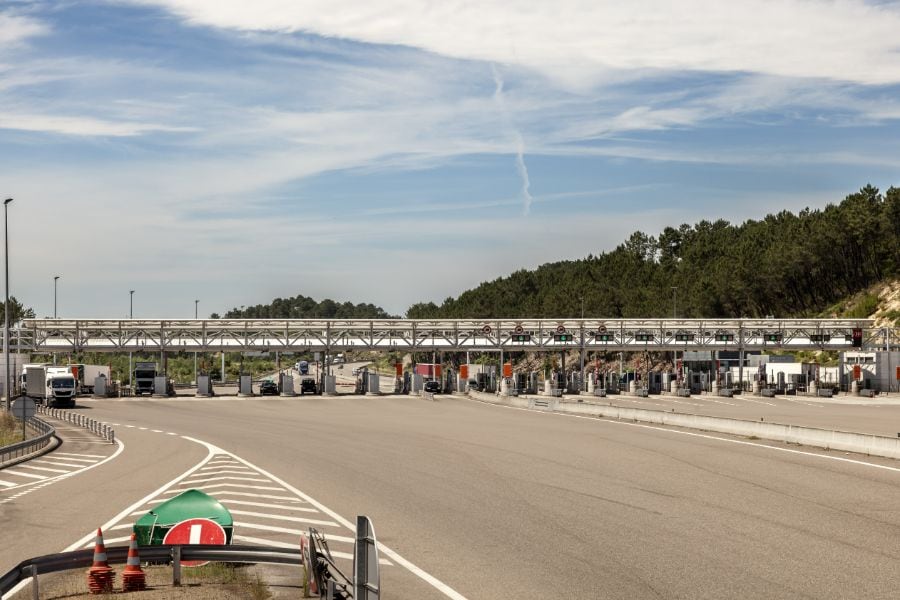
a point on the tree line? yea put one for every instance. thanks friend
(303, 307)
(784, 265)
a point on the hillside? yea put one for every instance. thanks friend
(784, 265)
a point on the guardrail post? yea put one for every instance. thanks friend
(35, 587)
(176, 565)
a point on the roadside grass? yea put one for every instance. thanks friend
(209, 582)
(10, 431)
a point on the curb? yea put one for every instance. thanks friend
(873, 445)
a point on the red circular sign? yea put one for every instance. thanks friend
(195, 531)
(561, 329)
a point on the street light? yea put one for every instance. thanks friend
(6, 305)
(582, 387)
(130, 354)
(196, 302)
(55, 279)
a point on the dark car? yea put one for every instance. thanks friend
(433, 386)
(308, 386)
(268, 388)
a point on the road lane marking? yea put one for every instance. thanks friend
(33, 485)
(27, 466)
(226, 478)
(82, 455)
(235, 485)
(29, 475)
(247, 513)
(57, 463)
(8, 484)
(276, 506)
(247, 494)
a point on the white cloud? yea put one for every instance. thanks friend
(81, 125)
(15, 29)
(580, 42)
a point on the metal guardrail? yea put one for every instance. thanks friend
(312, 553)
(166, 554)
(43, 430)
(99, 429)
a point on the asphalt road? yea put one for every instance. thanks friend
(504, 503)
(879, 415)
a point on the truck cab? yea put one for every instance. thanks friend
(61, 390)
(144, 374)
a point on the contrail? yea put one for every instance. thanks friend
(521, 168)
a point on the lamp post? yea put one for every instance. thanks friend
(196, 302)
(6, 305)
(130, 356)
(675, 316)
(55, 279)
(581, 387)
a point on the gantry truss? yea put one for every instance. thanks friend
(298, 335)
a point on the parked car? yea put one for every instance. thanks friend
(268, 388)
(307, 386)
(433, 386)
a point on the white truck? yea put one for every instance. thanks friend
(55, 386)
(86, 374)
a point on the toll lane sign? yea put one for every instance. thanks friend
(195, 531)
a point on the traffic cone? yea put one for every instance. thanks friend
(133, 578)
(100, 576)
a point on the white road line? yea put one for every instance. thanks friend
(58, 463)
(287, 530)
(27, 466)
(247, 513)
(69, 459)
(226, 478)
(29, 475)
(8, 484)
(231, 466)
(156, 430)
(266, 496)
(273, 506)
(234, 485)
(80, 469)
(171, 433)
(264, 542)
(83, 455)
(754, 400)
(219, 471)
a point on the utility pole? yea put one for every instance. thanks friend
(581, 385)
(55, 279)
(8, 381)
(130, 355)
(196, 302)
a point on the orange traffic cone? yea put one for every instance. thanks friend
(133, 578)
(100, 576)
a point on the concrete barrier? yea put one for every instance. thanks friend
(828, 439)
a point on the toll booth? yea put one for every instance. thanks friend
(373, 385)
(285, 384)
(204, 386)
(245, 385)
(160, 386)
(362, 381)
(654, 383)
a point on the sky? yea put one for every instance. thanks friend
(398, 151)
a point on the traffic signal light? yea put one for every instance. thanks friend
(773, 337)
(521, 337)
(724, 337)
(857, 338)
(562, 337)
